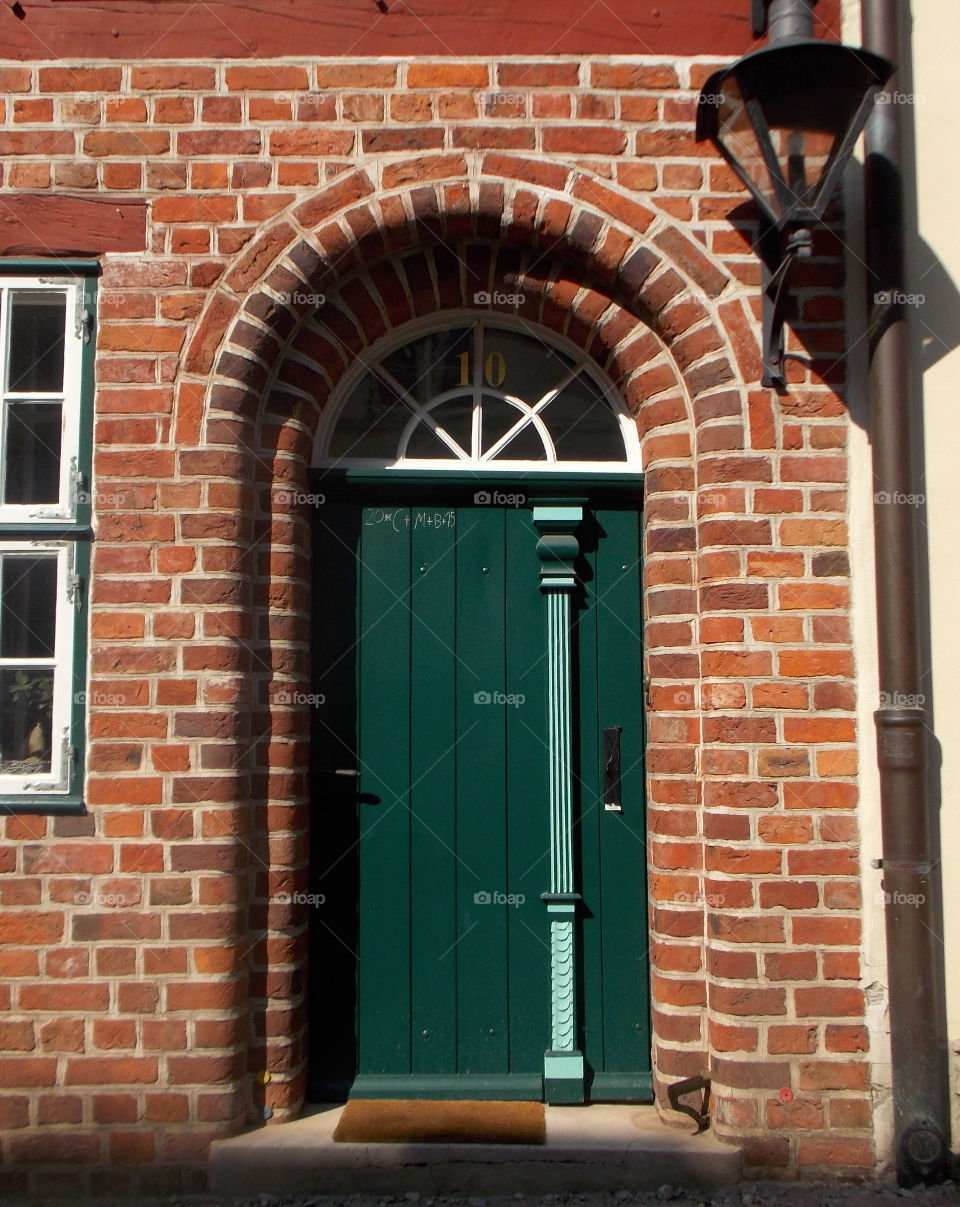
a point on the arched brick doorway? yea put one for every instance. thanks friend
(650, 307)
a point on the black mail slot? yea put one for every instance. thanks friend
(611, 769)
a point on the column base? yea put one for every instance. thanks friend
(563, 1078)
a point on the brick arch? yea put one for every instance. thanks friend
(667, 325)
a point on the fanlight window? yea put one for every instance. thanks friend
(480, 395)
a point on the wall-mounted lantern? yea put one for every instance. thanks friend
(786, 119)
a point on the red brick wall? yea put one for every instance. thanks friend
(140, 1026)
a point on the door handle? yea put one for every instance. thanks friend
(612, 799)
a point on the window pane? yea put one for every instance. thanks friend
(521, 365)
(456, 419)
(498, 418)
(433, 364)
(26, 696)
(371, 423)
(36, 343)
(32, 461)
(582, 424)
(28, 606)
(525, 446)
(425, 443)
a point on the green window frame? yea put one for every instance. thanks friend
(47, 330)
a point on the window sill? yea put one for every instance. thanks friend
(59, 805)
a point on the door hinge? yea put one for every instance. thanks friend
(83, 317)
(74, 584)
(75, 484)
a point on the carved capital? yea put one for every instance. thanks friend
(558, 546)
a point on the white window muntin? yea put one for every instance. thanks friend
(68, 398)
(455, 318)
(44, 778)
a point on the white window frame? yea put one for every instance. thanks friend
(632, 461)
(75, 331)
(57, 779)
(60, 528)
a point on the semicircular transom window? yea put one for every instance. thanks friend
(478, 394)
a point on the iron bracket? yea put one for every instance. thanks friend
(778, 264)
(700, 1116)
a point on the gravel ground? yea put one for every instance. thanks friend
(745, 1194)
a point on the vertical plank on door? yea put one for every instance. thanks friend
(481, 796)
(622, 906)
(433, 790)
(384, 724)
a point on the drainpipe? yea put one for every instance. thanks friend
(919, 1066)
(788, 20)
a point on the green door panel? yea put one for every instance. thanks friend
(615, 1015)
(433, 695)
(430, 960)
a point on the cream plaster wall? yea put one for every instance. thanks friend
(936, 277)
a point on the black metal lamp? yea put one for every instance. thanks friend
(786, 119)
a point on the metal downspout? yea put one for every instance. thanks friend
(919, 1066)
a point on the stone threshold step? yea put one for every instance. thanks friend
(589, 1148)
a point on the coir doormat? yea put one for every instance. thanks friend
(421, 1121)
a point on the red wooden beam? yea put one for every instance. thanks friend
(50, 224)
(241, 29)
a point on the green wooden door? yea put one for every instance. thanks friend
(430, 959)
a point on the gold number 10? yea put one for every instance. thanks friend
(494, 369)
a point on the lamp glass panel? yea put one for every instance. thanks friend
(809, 99)
(737, 134)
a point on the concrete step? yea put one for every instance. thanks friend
(599, 1147)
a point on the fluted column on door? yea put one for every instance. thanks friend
(563, 1071)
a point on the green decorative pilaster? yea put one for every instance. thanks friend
(563, 1073)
